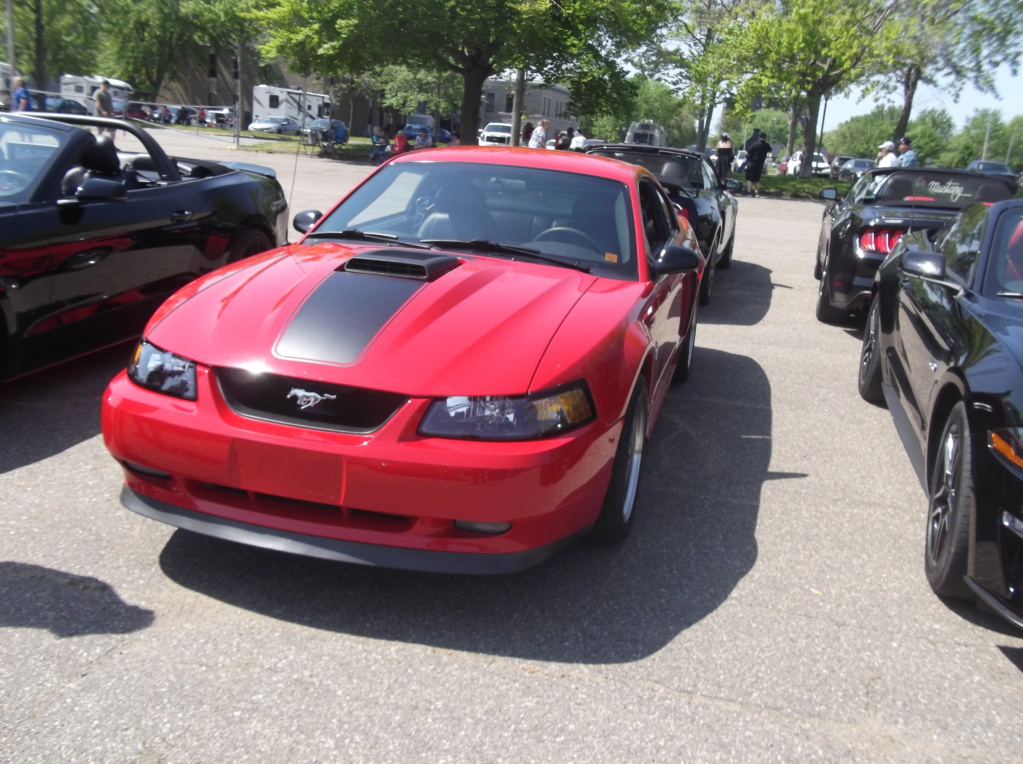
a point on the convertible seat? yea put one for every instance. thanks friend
(459, 212)
(98, 160)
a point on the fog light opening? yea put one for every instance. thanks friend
(147, 471)
(490, 528)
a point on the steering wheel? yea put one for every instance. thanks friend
(11, 180)
(568, 235)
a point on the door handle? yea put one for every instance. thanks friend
(181, 216)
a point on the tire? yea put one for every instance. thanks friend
(616, 515)
(249, 242)
(869, 379)
(726, 257)
(685, 361)
(825, 312)
(707, 283)
(950, 508)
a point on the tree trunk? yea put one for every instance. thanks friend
(797, 110)
(475, 70)
(813, 107)
(910, 80)
(39, 67)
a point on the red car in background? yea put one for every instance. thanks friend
(456, 369)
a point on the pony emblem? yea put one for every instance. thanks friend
(308, 400)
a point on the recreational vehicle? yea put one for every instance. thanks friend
(273, 101)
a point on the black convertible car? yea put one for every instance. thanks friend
(861, 228)
(691, 184)
(943, 347)
(95, 235)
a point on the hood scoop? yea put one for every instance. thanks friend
(405, 264)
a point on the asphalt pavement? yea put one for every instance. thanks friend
(770, 604)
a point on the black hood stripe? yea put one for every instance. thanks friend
(343, 315)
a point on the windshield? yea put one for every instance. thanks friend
(686, 171)
(930, 189)
(579, 218)
(498, 128)
(1004, 277)
(25, 152)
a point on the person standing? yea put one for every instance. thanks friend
(887, 158)
(907, 156)
(756, 158)
(578, 141)
(104, 105)
(538, 140)
(725, 157)
(21, 98)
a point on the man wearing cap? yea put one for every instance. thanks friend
(907, 156)
(888, 157)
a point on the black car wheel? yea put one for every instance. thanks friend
(707, 284)
(247, 243)
(726, 256)
(616, 514)
(825, 312)
(869, 381)
(950, 508)
(685, 361)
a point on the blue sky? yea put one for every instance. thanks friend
(928, 97)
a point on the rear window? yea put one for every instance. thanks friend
(934, 189)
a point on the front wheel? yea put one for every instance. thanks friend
(950, 508)
(707, 283)
(616, 514)
(869, 380)
(685, 360)
(726, 257)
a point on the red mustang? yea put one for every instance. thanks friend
(454, 370)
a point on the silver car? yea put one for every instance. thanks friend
(278, 125)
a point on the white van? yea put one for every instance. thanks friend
(646, 132)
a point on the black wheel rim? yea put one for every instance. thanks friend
(870, 347)
(945, 495)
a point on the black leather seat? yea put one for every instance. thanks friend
(99, 159)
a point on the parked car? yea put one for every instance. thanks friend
(276, 125)
(455, 369)
(496, 134)
(860, 229)
(136, 111)
(326, 131)
(837, 163)
(995, 168)
(943, 348)
(64, 106)
(820, 164)
(95, 239)
(854, 168)
(182, 115)
(692, 184)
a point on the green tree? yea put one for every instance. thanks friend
(931, 131)
(575, 40)
(657, 102)
(407, 90)
(54, 37)
(802, 52)
(861, 135)
(951, 43)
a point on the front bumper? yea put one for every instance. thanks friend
(390, 497)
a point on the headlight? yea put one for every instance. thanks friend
(500, 417)
(163, 372)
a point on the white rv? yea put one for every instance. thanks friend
(648, 133)
(273, 101)
(82, 88)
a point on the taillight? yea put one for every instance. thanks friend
(880, 241)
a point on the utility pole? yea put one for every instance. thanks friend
(10, 37)
(517, 99)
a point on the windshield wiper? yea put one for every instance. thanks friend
(497, 247)
(355, 233)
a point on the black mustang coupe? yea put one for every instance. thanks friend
(691, 184)
(96, 231)
(861, 228)
(943, 347)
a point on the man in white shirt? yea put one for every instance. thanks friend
(578, 142)
(888, 157)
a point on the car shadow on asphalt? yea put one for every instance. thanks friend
(693, 541)
(48, 412)
(741, 297)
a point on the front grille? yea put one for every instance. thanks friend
(301, 403)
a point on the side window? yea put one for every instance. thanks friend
(709, 181)
(657, 217)
(961, 243)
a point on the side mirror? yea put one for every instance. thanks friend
(926, 265)
(733, 185)
(829, 194)
(676, 259)
(306, 220)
